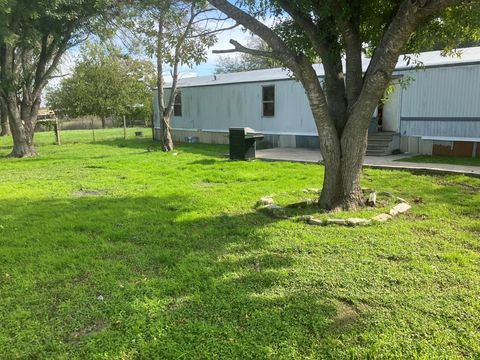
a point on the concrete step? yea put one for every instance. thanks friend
(380, 137)
(372, 147)
(378, 143)
(377, 152)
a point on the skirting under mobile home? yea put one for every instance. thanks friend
(435, 108)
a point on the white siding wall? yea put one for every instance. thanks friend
(442, 101)
(224, 106)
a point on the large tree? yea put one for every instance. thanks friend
(337, 31)
(176, 33)
(34, 35)
(105, 82)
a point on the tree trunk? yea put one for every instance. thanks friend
(103, 122)
(166, 134)
(343, 169)
(22, 137)
(4, 124)
(22, 125)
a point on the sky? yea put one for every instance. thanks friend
(204, 69)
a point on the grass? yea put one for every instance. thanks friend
(108, 251)
(468, 161)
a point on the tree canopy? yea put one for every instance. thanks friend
(105, 82)
(339, 34)
(34, 35)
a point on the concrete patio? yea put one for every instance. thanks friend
(386, 162)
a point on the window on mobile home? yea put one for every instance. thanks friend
(177, 106)
(268, 100)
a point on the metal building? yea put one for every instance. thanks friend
(437, 110)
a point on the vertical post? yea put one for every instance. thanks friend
(124, 127)
(57, 131)
(93, 129)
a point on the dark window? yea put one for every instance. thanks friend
(177, 107)
(268, 100)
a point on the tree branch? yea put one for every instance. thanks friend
(240, 48)
(211, 32)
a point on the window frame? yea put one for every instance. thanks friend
(268, 101)
(177, 105)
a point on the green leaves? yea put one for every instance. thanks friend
(105, 82)
(181, 41)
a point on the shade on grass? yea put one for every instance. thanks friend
(110, 251)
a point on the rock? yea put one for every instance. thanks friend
(272, 207)
(311, 190)
(267, 200)
(316, 222)
(372, 199)
(399, 209)
(358, 221)
(382, 217)
(274, 210)
(336, 222)
(100, 298)
(304, 218)
(402, 200)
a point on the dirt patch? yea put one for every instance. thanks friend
(346, 314)
(86, 192)
(90, 330)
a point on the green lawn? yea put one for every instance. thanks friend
(108, 251)
(468, 161)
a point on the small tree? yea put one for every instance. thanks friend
(105, 82)
(34, 35)
(342, 107)
(177, 33)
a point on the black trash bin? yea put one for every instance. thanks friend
(243, 143)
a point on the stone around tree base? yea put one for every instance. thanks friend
(315, 222)
(304, 218)
(267, 200)
(372, 199)
(336, 222)
(358, 221)
(274, 210)
(399, 209)
(382, 218)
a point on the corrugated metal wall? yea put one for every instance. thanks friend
(442, 101)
